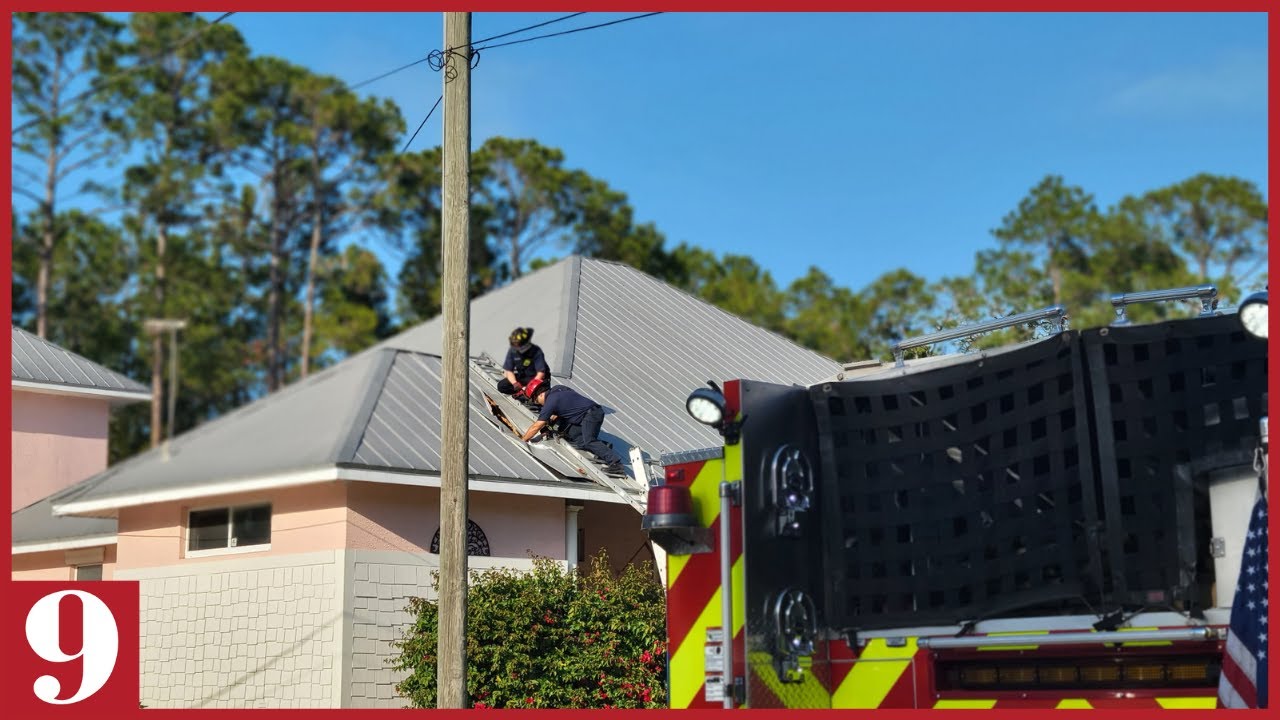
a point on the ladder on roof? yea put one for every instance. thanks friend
(633, 490)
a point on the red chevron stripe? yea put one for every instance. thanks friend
(698, 582)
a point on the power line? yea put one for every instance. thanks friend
(389, 73)
(438, 57)
(526, 29)
(565, 32)
(437, 53)
(424, 122)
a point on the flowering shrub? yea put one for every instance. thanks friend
(549, 638)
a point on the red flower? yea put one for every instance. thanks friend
(479, 706)
(645, 695)
(645, 656)
(528, 701)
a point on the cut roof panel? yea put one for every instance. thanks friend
(405, 427)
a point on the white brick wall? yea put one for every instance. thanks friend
(379, 586)
(245, 632)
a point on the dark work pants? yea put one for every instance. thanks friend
(506, 387)
(585, 435)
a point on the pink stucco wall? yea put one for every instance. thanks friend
(52, 565)
(303, 519)
(397, 517)
(57, 441)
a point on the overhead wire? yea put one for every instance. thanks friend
(439, 62)
(419, 61)
(564, 32)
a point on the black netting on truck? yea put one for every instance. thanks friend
(1174, 403)
(961, 492)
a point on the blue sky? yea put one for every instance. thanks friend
(858, 143)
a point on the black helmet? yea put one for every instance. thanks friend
(521, 338)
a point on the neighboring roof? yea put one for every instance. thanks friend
(35, 528)
(43, 366)
(634, 344)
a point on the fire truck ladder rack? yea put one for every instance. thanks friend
(1054, 313)
(1207, 294)
(568, 460)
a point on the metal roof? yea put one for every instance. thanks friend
(36, 523)
(632, 343)
(39, 362)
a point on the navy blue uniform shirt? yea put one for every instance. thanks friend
(526, 365)
(566, 404)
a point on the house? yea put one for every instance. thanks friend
(62, 407)
(276, 546)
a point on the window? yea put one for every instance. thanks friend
(89, 572)
(229, 528)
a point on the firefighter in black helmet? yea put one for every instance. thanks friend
(523, 364)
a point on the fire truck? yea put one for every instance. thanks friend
(1052, 524)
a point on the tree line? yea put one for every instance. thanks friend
(161, 169)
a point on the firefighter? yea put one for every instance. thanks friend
(580, 417)
(523, 364)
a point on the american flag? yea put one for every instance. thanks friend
(1244, 666)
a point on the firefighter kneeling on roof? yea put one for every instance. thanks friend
(581, 418)
(524, 364)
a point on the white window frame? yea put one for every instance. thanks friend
(229, 549)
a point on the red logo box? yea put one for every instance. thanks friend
(74, 647)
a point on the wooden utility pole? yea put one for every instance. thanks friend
(156, 326)
(451, 670)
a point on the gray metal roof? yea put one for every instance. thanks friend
(634, 344)
(37, 360)
(36, 523)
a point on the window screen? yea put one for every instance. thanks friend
(89, 572)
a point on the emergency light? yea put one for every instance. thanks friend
(1253, 314)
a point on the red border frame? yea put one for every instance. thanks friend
(705, 5)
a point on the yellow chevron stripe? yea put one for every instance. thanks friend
(1188, 703)
(1074, 704)
(1013, 647)
(688, 661)
(808, 693)
(705, 490)
(873, 674)
(964, 705)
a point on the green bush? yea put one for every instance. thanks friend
(549, 638)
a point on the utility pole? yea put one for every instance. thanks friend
(155, 326)
(451, 670)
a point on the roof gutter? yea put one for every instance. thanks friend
(327, 474)
(81, 391)
(67, 544)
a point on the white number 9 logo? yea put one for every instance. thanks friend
(98, 648)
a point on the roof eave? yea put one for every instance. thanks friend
(107, 507)
(115, 397)
(36, 546)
